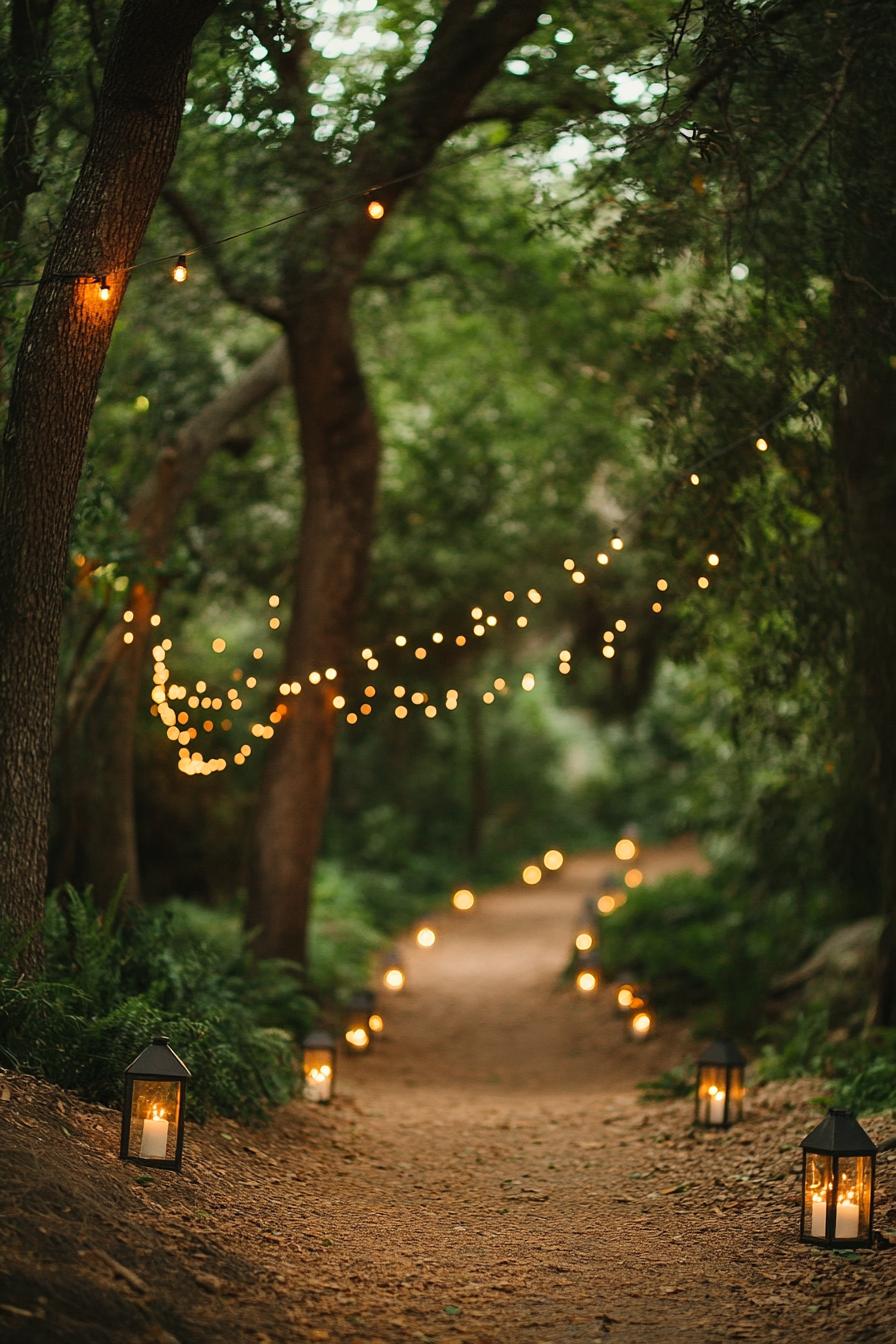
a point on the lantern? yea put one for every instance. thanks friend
(587, 936)
(357, 1026)
(610, 895)
(588, 973)
(152, 1118)
(627, 846)
(625, 995)
(393, 972)
(838, 1183)
(426, 935)
(719, 1098)
(318, 1066)
(640, 1018)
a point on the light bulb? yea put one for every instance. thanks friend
(105, 291)
(179, 273)
(375, 209)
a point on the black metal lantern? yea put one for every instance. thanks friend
(357, 1023)
(588, 973)
(624, 993)
(394, 977)
(152, 1118)
(587, 937)
(838, 1183)
(719, 1098)
(610, 894)
(318, 1066)
(641, 1020)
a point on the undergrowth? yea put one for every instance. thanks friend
(112, 981)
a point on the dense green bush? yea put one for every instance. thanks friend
(701, 944)
(110, 983)
(860, 1070)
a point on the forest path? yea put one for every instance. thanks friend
(487, 1175)
(493, 1176)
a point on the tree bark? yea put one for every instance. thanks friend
(25, 82)
(864, 311)
(340, 448)
(865, 434)
(340, 452)
(54, 389)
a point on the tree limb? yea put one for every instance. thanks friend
(267, 307)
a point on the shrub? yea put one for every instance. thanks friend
(112, 982)
(860, 1070)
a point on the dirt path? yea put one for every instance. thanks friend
(487, 1175)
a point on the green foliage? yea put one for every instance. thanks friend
(112, 983)
(702, 946)
(670, 1085)
(860, 1070)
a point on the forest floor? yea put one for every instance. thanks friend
(487, 1174)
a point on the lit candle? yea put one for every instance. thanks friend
(819, 1216)
(846, 1227)
(154, 1142)
(716, 1106)
(318, 1083)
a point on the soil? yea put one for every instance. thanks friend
(487, 1173)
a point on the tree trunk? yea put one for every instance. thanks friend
(864, 309)
(340, 445)
(53, 393)
(340, 450)
(865, 429)
(24, 97)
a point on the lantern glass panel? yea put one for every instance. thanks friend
(317, 1066)
(736, 1091)
(837, 1198)
(155, 1116)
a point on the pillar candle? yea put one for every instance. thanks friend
(154, 1142)
(717, 1108)
(847, 1224)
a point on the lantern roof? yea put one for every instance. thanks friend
(318, 1039)
(839, 1132)
(723, 1052)
(158, 1060)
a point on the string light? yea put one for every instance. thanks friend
(762, 445)
(105, 291)
(194, 761)
(179, 272)
(376, 209)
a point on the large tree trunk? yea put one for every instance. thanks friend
(24, 95)
(53, 393)
(865, 440)
(340, 444)
(866, 443)
(340, 451)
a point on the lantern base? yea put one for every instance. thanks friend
(162, 1163)
(840, 1243)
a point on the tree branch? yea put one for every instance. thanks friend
(178, 204)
